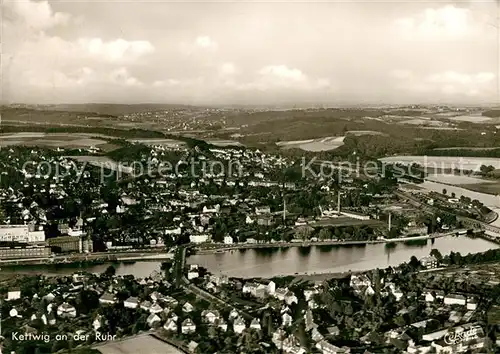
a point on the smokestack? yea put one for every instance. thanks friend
(284, 209)
(390, 216)
(338, 203)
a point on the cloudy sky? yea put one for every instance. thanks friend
(249, 52)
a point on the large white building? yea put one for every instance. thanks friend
(21, 233)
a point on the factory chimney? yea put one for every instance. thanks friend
(338, 203)
(390, 217)
(284, 209)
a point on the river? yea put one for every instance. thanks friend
(248, 263)
(270, 262)
(329, 259)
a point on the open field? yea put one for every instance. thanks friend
(164, 142)
(145, 344)
(364, 132)
(471, 118)
(222, 143)
(457, 179)
(322, 144)
(62, 140)
(472, 148)
(487, 187)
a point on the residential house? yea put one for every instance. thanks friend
(193, 274)
(210, 316)
(286, 320)
(107, 299)
(131, 303)
(146, 305)
(170, 325)
(431, 296)
(66, 310)
(187, 307)
(471, 303)
(153, 320)
(13, 294)
(429, 262)
(156, 308)
(327, 348)
(239, 325)
(228, 240)
(255, 324)
(281, 293)
(188, 326)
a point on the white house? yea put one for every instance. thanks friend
(271, 287)
(286, 320)
(187, 307)
(14, 294)
(170, 325)
(255, 324)
(193, 275)
(131, 303)
(199, 238)
(156, 309)
(66, 310)
(471, 303)
(188, 326)
(210, 316)
(153, 320)
(228, 240)
(107, 299)
(455, 299)
(239, 325)
(430, 297)
(146, 305)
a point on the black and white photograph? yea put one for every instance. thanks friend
(248, 176)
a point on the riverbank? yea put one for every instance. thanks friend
(91, 258)
(221, 248)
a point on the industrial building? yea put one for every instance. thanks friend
(22, 233)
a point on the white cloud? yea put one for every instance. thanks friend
(119, 49)
(206, 42)
(35, 15)
(123, 77)
(448, 21)
(282, 72)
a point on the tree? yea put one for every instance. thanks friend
(324, 234)
(110, 271)
(453, 194)
(414, 263)
(444, 191)
(436, 254)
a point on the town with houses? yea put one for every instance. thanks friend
(72, 212)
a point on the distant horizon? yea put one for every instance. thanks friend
(257, 106)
